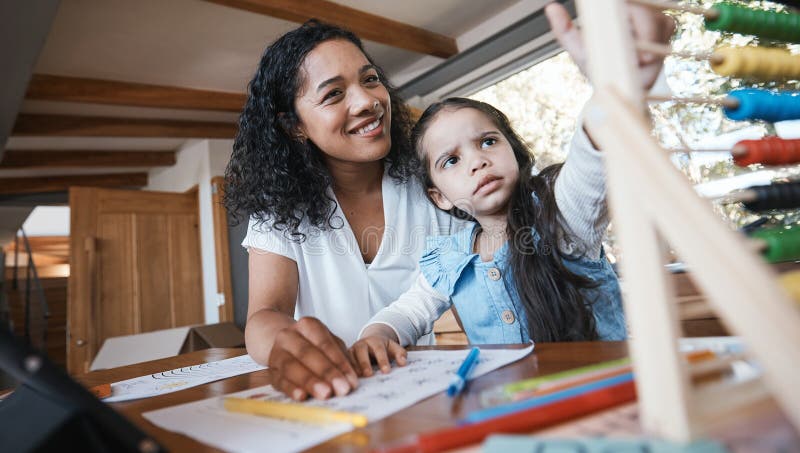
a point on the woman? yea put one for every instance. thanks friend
(322, 166)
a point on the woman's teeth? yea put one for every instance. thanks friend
(369, 127)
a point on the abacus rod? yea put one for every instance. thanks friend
(736, 150)
(716, 364)
(728, 102)
(665, 51)
(741, 196)
(660, 5)
(758, 245)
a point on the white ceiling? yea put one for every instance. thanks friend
(204, 45)
(198, 44)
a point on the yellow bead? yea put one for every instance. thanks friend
(756, 63)
(791, 283)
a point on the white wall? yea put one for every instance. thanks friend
(197, 162)
(47, 221)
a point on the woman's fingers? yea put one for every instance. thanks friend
(297, 381)
(330, 345)
(290, 375)
(307, 365)
(353, 364)
(289, 389)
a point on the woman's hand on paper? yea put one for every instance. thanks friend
(307, 359)
(378, 343)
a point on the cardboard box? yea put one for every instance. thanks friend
(129, 349)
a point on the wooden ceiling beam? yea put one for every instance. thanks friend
(365, 25)
(83, 159)
(74, 89)
(87, 126)
(40, 184)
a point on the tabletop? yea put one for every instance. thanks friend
(427, 415)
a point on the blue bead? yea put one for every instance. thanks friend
(755, 104)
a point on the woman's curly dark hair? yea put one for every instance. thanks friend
(277, 178)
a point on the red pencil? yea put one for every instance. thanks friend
(523, 421)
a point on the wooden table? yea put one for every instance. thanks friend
(429, 414)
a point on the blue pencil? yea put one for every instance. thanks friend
(457, 385)
(492, 412)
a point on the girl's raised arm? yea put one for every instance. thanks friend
(305, 358)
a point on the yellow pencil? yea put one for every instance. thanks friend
(293, 411)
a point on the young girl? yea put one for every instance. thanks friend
(530, 268)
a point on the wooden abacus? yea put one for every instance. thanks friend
(653, 203)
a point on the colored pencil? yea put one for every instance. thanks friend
(542, 385)
(292, 411)
(538, 401)
(514, 391)
(525, 421)
(101, 391)
(563, 384)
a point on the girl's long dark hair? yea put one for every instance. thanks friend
(551, 294)
(275, 176)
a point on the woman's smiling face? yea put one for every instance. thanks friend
(343, 107)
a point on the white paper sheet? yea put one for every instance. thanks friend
(181, 378)
(427, 373)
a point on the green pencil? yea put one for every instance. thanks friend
(506, 393)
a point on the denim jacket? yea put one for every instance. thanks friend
(485, 296)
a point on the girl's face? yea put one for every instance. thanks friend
(343, 107)
(471, 163)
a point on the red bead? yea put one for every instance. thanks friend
(768, 151)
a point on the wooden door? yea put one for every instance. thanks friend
(221, 244)
(134, 266)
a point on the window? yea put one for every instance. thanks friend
(544, 102)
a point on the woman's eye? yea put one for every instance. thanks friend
(332, 94)
(372, 79)
(449, 162)
(488, 141)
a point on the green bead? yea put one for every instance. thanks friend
(771, 25)
(784, 243)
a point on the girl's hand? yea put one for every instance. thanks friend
(647, 25)
(307, 359)
(378, 343)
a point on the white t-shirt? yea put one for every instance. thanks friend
(335, 286)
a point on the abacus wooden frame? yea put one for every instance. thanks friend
(664, 207)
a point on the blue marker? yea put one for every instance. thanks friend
(457, 385)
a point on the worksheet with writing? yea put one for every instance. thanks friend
(180, 378)
(427, 373)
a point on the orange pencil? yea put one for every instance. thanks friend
(101, 391)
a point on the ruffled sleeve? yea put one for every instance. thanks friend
(444, 259)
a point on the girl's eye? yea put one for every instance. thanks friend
(487, 142)
(449, 162)
(371, 79)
